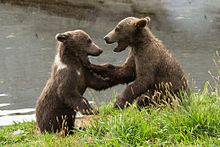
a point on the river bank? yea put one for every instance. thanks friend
(87, 8)
(195, 123)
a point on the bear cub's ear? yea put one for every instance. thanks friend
(147, 19)
(141, 23)
(61, 37)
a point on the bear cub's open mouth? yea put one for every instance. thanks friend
(120, 46)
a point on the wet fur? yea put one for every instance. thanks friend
(62, 96)
(150, 60)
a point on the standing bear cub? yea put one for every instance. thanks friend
(150, 65)
(62, 96)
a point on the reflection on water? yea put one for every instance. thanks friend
(17, 111)
(27, 46)
(8, 117)
(9, 120)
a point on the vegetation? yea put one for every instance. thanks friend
(196, 122)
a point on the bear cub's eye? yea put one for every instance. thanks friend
(117, 29)
(89, 41)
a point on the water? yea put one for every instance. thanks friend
(27, 46)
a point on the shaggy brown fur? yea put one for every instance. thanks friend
(149, 59)
(62, 96)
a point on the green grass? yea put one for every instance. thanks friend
(196, 122)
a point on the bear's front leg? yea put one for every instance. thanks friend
(74, 100)
(104, 70)
(119, 74)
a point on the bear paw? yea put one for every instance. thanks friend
(121, 103)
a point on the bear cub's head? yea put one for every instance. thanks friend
(125, 32)
(76, 44)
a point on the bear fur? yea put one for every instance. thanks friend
(62, 96)
(150, 66)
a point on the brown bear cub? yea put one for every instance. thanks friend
(150, 65)
(62, 96)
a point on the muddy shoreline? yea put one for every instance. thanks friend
(85, 9)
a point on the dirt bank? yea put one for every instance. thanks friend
(93, 8)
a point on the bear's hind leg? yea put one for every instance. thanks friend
(145, 100)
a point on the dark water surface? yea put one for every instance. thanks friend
(190, 28)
